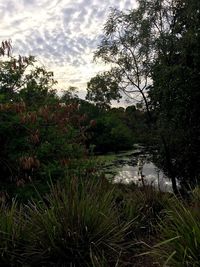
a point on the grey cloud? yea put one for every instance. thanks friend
(129, 4)
(74, 80)
(58, 47)
(66, 32)
(29, 2)
(68, 13)
(8, 7)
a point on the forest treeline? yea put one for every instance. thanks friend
(43, 135)
(56, 206)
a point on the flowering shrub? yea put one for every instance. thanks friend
(34, 142)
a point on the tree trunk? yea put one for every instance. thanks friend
(167, 153)
(170, 167)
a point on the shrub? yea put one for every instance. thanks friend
(46, 141)
(145, 205)
(179, 235)
(12, 238)
(79, 225)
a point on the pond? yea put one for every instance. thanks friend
(136, 166)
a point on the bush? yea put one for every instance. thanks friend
(82, 222)
(46, 141)
(144, 205)
(179, 235)
(111, 134)
(12, 235)
(79, 225)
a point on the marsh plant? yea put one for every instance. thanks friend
(94, 223)
(179, 234)
(12, 235)
(77, 224)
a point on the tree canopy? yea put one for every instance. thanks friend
(175, 92)
(153, 51)
(131, 42)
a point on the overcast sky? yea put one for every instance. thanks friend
(62, 34)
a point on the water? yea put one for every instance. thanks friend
(136, 166)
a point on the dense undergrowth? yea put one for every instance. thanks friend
(179, 234)
(93, 223)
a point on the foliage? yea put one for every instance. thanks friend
(82, 222)
(153, 50)
(21, 79)
(5, 48)
(179, 235)
(111, 129)
(129, 45)
(12, 237)
(110, 134)
(76, 225)
(85, 223)
(137, 121)
(40, 136)
(105, 88)
(175, 93)
(144, 204)
(49, 135)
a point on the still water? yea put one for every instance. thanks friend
(136, 166)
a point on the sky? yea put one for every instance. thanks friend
(62, 34)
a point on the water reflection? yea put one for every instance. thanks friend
(139, 169)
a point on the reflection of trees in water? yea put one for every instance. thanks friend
(138, 167)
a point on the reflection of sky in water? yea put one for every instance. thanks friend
(152, 176)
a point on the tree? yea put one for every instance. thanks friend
(102, 89)
(175, 93)
(21, 79)
(110, 133)
(131, 44)
(153, 50)
(39, 137)
(5, 48)
(69, 95)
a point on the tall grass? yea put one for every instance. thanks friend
(12, 238)
(93, 223)
(179, 235)
(144, 204)
(79, 225)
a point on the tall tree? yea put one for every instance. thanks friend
(39, 136)
(131, 44)
(175, 93)
(149, 49)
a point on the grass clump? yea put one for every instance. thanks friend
(12, 238)
(145, 204)
(77, 225)
(179, 235)
(94, 223)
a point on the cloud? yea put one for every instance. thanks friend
(62, 34)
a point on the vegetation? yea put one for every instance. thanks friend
(179, 234)
(175, 93)
(56, 206)
(86, 223)
(154, 52)
(86, 227)
(78, 223)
